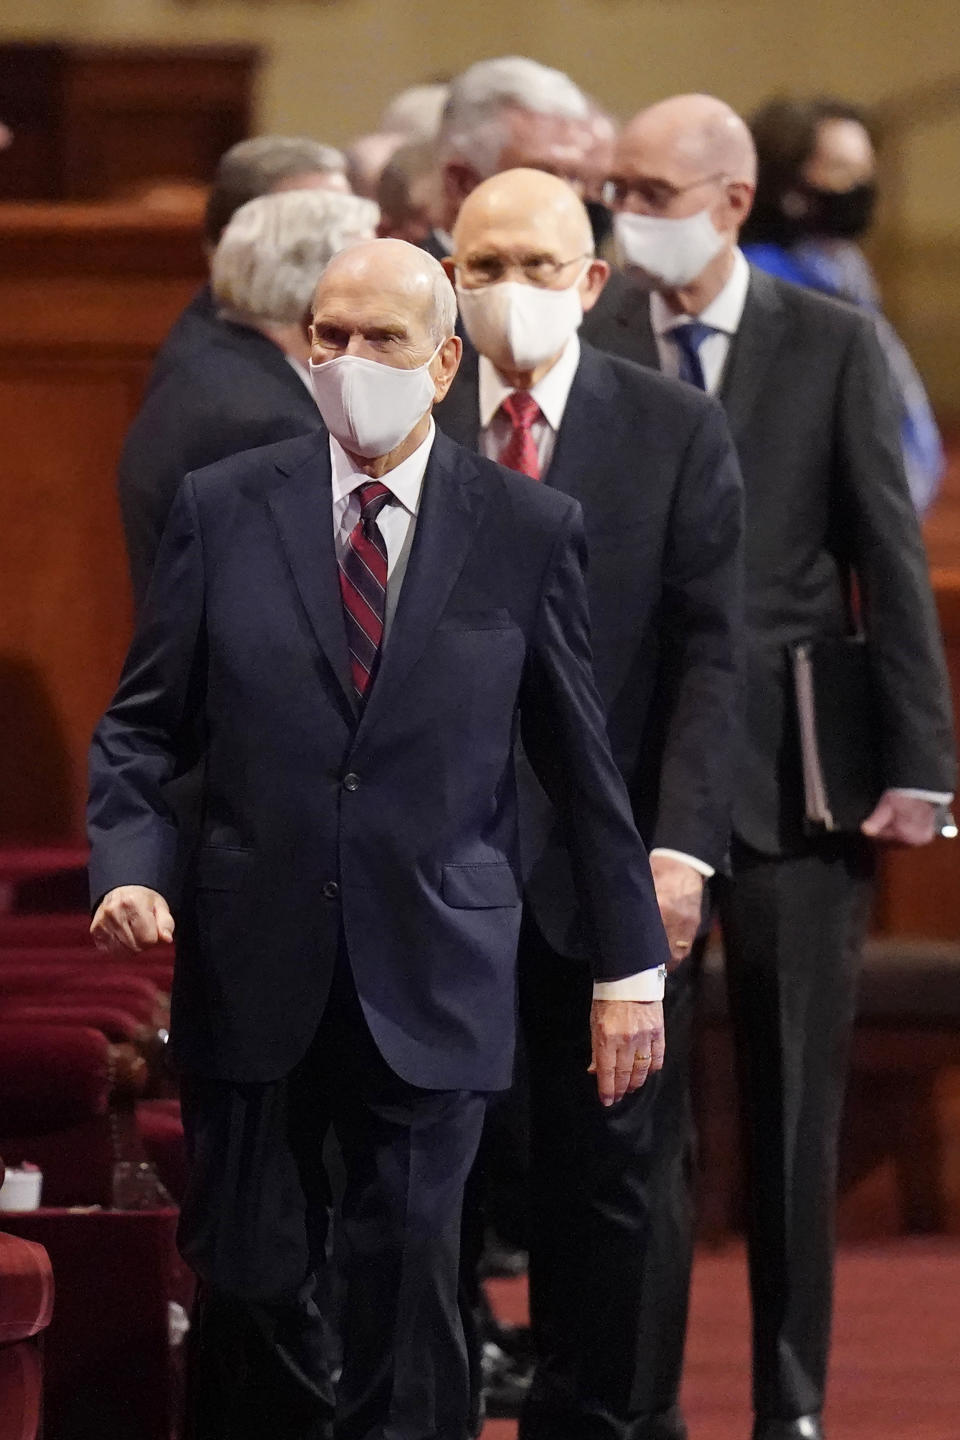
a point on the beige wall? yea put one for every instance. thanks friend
(331, 63)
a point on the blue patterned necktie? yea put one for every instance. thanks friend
(688, 339)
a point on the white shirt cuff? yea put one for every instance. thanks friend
(935, 797)
(646, 986)
(701, 866)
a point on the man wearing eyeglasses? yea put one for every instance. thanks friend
(652, 465)
(830, 535)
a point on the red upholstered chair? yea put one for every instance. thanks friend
(26, 1305)
(67, 1097)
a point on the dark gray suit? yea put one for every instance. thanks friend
(652, 465)
(223, 388)
(829, 519)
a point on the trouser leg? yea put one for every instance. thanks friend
(792, 934)
(611, 1217)
(254, 1228)
(407, 1154)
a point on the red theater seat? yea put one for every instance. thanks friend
(26, 1305)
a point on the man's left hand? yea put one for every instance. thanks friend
(901, 820)
(680, 897)
(628, 1045)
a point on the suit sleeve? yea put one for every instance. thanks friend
(565, 739)
(150, 732)
(701, 622)
(886, 550)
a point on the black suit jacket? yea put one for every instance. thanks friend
(397, 827)
(233, 390)
(652, 465)
(194, 327)
(808, 398)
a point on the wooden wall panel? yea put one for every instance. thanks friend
(86, 295)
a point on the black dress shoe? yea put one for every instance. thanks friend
(805, 1427)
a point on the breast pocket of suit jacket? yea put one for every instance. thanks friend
(472, 672)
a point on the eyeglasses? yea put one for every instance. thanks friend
(542, 270)
(655, 195)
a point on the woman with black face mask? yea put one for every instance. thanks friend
(816, 196)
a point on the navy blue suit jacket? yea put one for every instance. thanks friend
(396, 828)
(652, 464)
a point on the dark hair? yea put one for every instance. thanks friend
(253, 167)
(785, 134)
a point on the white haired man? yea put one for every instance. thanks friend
(359, 622)
(263, 165)
(504, 114)
(249, 386)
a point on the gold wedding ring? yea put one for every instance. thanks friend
(643, 1057)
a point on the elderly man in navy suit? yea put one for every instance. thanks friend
(353, 628)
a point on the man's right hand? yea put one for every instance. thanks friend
(131, 918)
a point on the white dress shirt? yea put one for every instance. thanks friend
(397, 522)
(725, 312)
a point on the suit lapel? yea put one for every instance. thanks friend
(583, 440)
(453, 501)
(303, 512)
(632, 312)
(758, 336)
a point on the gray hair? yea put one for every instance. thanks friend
(443, 321)
(473, 126)
(416, 112)
(255, 167)
(275, 249)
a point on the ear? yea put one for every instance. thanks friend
(450, 269)
(739, 202)
(592, 283)
(448, 363)
(459, 179)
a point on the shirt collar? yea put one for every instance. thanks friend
(405, 481)
(724, 312)
(550, 393)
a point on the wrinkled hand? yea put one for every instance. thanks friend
(628, 1045)
(131, 918)
(901, 820)
(680, 897)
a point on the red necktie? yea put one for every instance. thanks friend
(520, 451)
(363, 586)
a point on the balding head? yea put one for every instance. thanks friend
(527, 227)
(689, 156)
(697, 134)
(391, 275)
(526, 205)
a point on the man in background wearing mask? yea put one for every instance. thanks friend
(652, 464)
(363, 619)
(816, 197)
(807, 394)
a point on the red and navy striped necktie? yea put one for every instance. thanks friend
(363, 587)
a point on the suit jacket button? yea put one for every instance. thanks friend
(331, 890)
(351, 782)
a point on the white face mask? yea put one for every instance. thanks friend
(520, 326)
(671, 252)
(368, 406)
